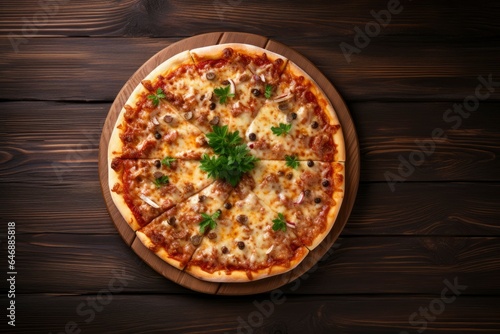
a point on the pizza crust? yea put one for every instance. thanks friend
(241, 276)
(161, 253)
(338, 137)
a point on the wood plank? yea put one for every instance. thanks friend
(160, 18)
(256, 314)
(355, 265)
(388, 69)
(423, 209)
(41, 142)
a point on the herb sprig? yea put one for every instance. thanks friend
(233, 158)
(167, 161)
(157, 96)
(291, 161)
(268, 92)
(282, 129)
(223, 93)
(279, 223)
(208, 221)
(161, 181)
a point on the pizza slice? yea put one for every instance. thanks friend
(176, 234)
(307, 193)
(297, 122)
(248, 242)
(142, 189)
(239, 78)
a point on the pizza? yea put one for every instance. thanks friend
(228, 162)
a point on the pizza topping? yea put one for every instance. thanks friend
(283, 106)
(279, 223)
(300, 198)
(157, 175)
(201, 198)
(232, 88)
(155, 121)
(157, 135)
(224, 250)
(167, 161)
(314, 125)
(290, 175)
(283, 97)
(214, 121)
(282, 129)
(270, 249)
(212, 106)
(224, 92)
(212, 235)
(210, 76)
(244, 77)
(252, 136)
(161, 180)
(242, 219)
(325, 183)
(156, 97)
(228, 206)
(268, 92)
(196, 239)
(241, 245)
(147, 84)
(157, 163)
(310, 163)
(171, 221)
(188, 115)
(317, 200)
(290, 224)
(149, 201)
(291, 161)
(255, 92)
(208, 221)
(168, 119)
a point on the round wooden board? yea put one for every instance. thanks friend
(352, 165)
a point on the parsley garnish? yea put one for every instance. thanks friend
(279, 223)
(161, 181)
(208, 221)
(283, 129)
(156, 97)
(268, 92)
(223, 93)
(233, 158)
(167, 161)
(291, 161)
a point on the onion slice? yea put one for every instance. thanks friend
(300, 198)
(263, 78)
(149, 201)
(290, 224)
(270, 249)
(155, 121)
(232, 88)
(283, 97)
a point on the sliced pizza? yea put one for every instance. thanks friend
(248, 242)
(298, 122)
(307, 193)
(176, 234)
(142, 189)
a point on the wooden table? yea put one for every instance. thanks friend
(421, 249)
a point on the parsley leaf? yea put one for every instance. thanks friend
(167, 161)
(223, 93)
(268, 92)
(208, 221)
(279, 223)
(233, 160)
(220, 139)
(161, 181)
(291, 161)
(283, 129)
(156, 97)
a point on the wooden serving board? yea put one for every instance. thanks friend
(352, 166)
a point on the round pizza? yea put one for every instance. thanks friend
(228, 163)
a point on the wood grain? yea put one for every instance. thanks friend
(351, 172)
(311, 314)
(401, 69)
(355, 265)
(173, 18)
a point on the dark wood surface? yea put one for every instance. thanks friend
(400, 250)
